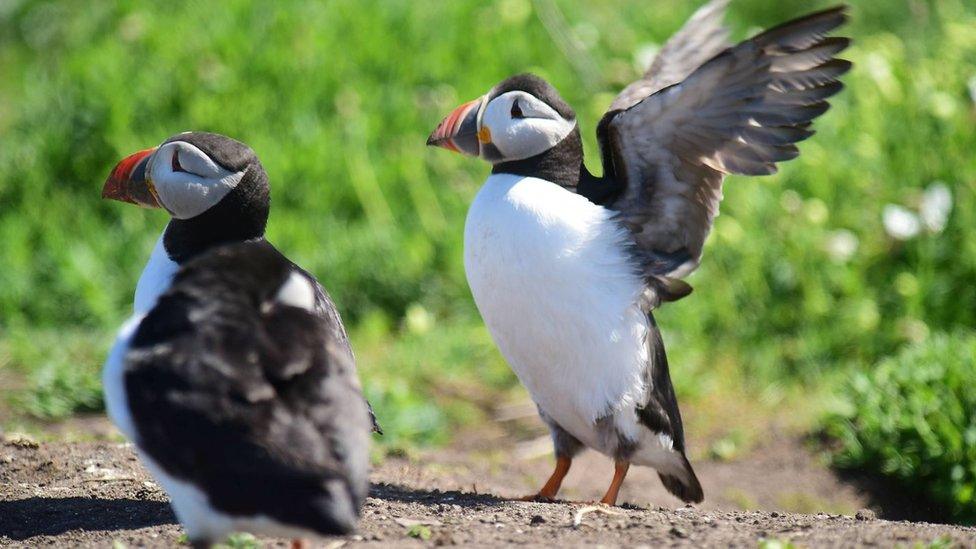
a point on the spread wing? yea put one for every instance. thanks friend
(702, 37)
(739, 113)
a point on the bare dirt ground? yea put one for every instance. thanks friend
(95, 494)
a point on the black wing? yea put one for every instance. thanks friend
(660, 414)
(702, 37)
(252, 400)
(326, 309)
(739, 113)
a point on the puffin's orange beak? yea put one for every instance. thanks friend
(128, 181)
(459, 131)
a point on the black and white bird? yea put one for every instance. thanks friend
(216, 192)
(566, 267)
(242, 400)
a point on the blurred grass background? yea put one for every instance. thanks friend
(861, 247)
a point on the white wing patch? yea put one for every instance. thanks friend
(297, 291)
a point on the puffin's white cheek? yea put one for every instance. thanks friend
(190, 196)
(530, 137)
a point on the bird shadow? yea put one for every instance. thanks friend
(40, 516)
(894, 501)
(403, 494)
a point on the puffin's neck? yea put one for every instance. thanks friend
(186, 238)
(562, 164)
(236, 218)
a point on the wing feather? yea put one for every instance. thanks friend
(740, 112)
(699, 40)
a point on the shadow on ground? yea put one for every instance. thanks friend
(893, 501)
(25, 518)
(402, 494)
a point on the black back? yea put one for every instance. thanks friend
(253, 401)
(660, 414)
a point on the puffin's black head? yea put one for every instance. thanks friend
(213, 186)
(521, 117)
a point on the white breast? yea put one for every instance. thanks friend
(550, 274)
(113, 379)
(155, 279)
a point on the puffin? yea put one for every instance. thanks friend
(242, 401)
(567, 267)
(216, 192)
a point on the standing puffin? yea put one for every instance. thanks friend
(242, 400)
(566, 267)
(216, 192)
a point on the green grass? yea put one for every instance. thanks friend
(59, 370)
(337, 99)
(912, 418)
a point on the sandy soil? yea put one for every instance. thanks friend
(96, 494)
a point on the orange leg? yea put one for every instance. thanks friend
(619, 473)
(300, 543)
(549, 491)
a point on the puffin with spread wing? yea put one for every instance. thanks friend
(566, 267)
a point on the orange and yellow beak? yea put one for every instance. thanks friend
(459, 132)
(129, 182)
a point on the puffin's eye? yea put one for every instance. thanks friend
(176, 163)
(516, 110)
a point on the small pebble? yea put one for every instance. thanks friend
(678, 532)
(444, 538)
(866, 514)
(537, 520)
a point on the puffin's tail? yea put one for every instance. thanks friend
(685, 484)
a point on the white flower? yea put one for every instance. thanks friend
(841, 245)
(942, 104)
(879, 69)
(418, 319)
(936, 205)
(791, 201)
(816, 210)
(587, 34)
(899, 222)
